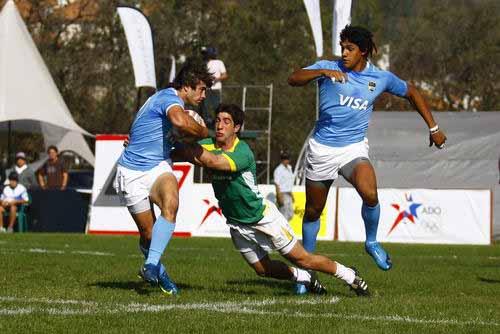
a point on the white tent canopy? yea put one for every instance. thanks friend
(27, 91)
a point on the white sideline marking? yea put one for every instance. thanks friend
(16, 311)
(82, 307)
(56, 251)
(93, 253)
(42, 250)
(82, 252)
(46, 301)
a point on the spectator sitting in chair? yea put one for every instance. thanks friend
(13, 195)
(25, 172)
(53, 173)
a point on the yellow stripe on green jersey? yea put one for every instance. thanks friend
(209, 147)
(232, 164)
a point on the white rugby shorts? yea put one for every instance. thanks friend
(324, 162)
(134, 186)
(272, 232)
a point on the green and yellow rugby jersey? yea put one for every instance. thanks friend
(236, 190)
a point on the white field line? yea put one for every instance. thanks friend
(55, 251)
(88, 307)
(47, 301)
(16, 311)
(58, 307)
(82, 252)
(96, 253)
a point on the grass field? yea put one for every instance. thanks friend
(75, 283)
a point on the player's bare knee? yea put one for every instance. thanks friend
(370, 198)
(312, 213)
(169, 211)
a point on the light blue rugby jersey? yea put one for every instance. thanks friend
(149, 144)
(345, 109)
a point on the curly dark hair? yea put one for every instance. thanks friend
(360, 36)
(52, 147)
(193, 71)
(236, 113)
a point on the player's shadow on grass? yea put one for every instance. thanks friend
(140, 287)
(489, 280)
(279, 287)
(283, 288)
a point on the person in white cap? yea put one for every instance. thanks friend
(12, 197)
(25, 173)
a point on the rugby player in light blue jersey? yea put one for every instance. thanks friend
(348, 89)
(144, 173)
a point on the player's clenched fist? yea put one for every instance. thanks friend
(336, 76)
(437, 137)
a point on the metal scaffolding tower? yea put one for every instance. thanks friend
(255, 130)
(257, 103)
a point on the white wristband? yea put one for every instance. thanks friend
(434, 129)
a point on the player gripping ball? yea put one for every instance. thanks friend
(179, 137)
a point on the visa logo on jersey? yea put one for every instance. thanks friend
(353, 103)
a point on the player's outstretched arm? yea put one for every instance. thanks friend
(302, 77)
(436, 135)
(197, 155)
(185, 123)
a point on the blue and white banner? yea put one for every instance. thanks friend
(454, 216)
(140, 45)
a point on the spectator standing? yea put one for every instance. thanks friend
(13, 195)
(283, 180)
(25, 173)
(53, 174)
(217, 68)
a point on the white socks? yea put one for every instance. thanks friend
(301, 276)
(345, 274)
